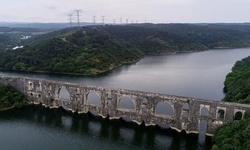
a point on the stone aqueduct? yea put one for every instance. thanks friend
(186, 118)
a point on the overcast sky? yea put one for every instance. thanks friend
(167, 11)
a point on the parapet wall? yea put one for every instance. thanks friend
(184, 118)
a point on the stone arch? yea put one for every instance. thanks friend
(126, 103)
(64, 93)
(204, 111)
(93, 98)
(220, 114)
(238, 115)
(164, 108)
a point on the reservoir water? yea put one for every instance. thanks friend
(199, 75)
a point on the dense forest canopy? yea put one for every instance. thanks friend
(233, 136)
(237, 83)
(210, 35)
(152, 41)
(78, 51)
(95, 49)
(236, 135)
(9, 97)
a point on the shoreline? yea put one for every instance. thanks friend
(7, 108)
(77, 74)
(123, 63)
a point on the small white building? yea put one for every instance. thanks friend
(25, 37)
(17, 47)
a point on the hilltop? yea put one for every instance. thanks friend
(74, 51)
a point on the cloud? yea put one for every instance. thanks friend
(150, 10)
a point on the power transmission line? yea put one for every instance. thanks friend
(70, 20)
(120, 20)
(78, 17)
(94, 19)
(103, 20)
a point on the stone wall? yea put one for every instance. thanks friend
(186, 111)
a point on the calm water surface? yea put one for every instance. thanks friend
(198, 75)
(39, 128)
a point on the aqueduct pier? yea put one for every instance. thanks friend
(186, 111)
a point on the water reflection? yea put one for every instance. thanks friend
(70, 129)
(199, 75)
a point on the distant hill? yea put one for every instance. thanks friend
(40, 25)
(209, 35)
(75, 51)
(96, 49)
(152, 41)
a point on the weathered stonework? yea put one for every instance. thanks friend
(188, 119)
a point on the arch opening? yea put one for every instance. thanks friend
(64, 94)
(126, 103)
(31, 85)
(109, 95)
(185, 106)
(220, 114)
(93, 113)
(164, 108)
(126, 119)
(163, 125)
(144, 101)
(77, 91)
(93, 98)
(238, 115)
(204, 112)
(40, 87)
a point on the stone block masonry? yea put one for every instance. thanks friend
(187, 112)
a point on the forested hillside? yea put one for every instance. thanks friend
(9, 97)
(209, 35)
(233, 136)
(76, 51)
(152, 41)
(237, 83)
(236, 135)
(4, 41)
(96, 49)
